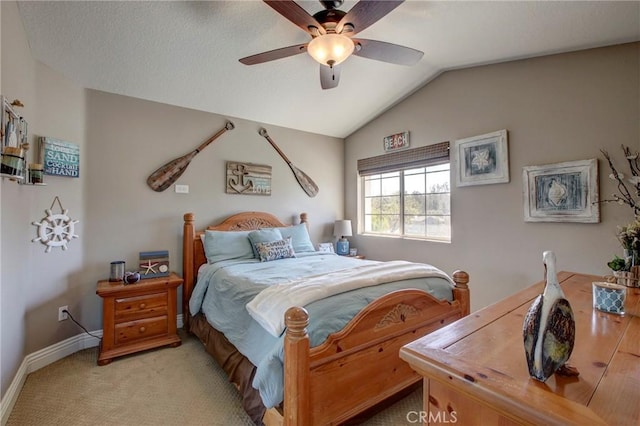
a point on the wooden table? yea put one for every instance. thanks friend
(475, 371)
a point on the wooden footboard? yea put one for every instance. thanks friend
(359, 366)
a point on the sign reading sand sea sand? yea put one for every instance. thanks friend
(60, 158)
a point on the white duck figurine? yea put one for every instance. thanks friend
(549, 329)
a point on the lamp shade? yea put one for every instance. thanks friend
(330, 49)
(342, 228)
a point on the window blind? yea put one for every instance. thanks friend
(430, 155)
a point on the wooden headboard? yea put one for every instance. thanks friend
(193, 250)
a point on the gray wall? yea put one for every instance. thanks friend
(556, 108)
(122, 140)
(130, 138)
(33, 284)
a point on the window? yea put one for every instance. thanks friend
(408, 193)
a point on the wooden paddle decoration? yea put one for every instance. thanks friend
(166, 175)
(307, 184)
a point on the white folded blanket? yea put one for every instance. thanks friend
(269, 306)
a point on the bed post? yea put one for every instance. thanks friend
(461, 291)
(303, 219)
(188, 234)
(296, 368)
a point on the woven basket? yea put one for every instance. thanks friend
(627, 279)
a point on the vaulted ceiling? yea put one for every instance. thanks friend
(186, 53)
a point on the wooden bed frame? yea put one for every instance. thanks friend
(355, 368)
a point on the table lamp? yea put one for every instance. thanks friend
(342, 229)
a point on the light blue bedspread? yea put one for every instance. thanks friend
(223, 289)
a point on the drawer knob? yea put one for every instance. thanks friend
(142, 329)
(143, 305)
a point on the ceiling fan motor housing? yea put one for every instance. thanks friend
(329, 18)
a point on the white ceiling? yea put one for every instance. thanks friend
(186, 53)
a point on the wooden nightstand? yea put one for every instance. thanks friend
(138, 316)
(357, 256)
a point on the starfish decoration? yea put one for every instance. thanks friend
(149, 267)
(481, 160)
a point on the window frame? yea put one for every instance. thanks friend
(399, 163)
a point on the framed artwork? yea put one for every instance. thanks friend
(326, 248)
(563, 192)
(154, 264)
(396, 142)
(60, 158)
(482, 160)
(248, 178)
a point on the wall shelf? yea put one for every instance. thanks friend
(14, 139)
(10, 176)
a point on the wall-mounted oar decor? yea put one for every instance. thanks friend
(166, 175)
(307, 184)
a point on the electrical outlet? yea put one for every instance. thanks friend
(63, 315)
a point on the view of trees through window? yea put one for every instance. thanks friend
(413, 203)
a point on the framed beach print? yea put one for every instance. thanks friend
(482, 159)
(326, 248)
(563, 192)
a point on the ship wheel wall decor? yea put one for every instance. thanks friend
(55, 229)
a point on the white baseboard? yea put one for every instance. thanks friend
(36, 360)
(9, 400)
(44, 357)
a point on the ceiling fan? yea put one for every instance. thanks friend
(332, 32)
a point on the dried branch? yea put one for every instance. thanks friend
(632, 159)
(630, 197)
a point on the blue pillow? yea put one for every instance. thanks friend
(263, 236)
(221, 245)
(275, 250)
(299, 237)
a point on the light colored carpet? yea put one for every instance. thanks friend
(167, 386)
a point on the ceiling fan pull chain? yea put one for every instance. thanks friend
(330, 63)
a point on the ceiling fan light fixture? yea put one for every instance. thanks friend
(330, 49)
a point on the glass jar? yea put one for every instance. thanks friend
(117, 271)
(12, 161)
(36, 173)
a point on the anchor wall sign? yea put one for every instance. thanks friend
(248, 178)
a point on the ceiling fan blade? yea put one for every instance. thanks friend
(386, 52)
(272, 55)
(366, 13)
(329, 77)
(296, 14)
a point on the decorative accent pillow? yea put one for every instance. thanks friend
(263, 236)
(299, 237)
(275, 250)
(221, 245)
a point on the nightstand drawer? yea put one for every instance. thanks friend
(142, 329)
(129, 308)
